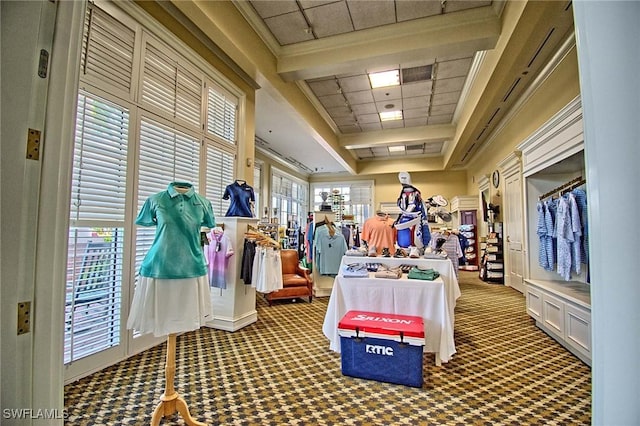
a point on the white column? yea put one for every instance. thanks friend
(608, 40)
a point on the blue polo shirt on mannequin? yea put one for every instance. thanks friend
(241, 195)
(178, 213)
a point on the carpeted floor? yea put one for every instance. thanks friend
(279, 370)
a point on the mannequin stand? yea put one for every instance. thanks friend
(170, 402)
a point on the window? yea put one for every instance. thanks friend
(149, 112)
(355, 198)
(289, 198)
(96, 232)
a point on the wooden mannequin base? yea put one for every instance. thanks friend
(169, 405)
(171, 402)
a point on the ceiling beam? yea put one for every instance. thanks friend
(411, 135)
(464, 32)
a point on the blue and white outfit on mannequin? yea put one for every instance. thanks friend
(412, 226)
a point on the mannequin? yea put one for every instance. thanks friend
(242, 199)
(412, 226)
(173, 293)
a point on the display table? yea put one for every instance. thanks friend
(434, 301)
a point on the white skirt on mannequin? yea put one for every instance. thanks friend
(165, 306)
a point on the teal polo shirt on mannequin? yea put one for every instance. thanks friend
(178, 213)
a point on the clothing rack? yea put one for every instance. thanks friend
(564, 188)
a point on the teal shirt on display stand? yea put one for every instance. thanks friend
(178, 213)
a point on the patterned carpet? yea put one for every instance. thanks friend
(279, 370)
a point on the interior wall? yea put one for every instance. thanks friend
(561, 86)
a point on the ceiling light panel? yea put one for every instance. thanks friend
(384, 79)
(390, 115)
(397, 148)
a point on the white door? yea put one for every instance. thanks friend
(513, 229)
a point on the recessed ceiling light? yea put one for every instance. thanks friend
(385, 78)
(390, 115)
(399, 148)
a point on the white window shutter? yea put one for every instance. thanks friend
(219, 175)
(107, 51)
(221, 113)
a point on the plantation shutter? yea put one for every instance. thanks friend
(169, 87)
(219, 175)
(221, 113)
(107, 51)
(96, 234)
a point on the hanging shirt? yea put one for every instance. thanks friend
(550, 240)
(451, 246)
(378, 232)
(217, 253)
(581, 202)
(241, 196)
(176, 251)
(329, 250)
(576, 228)
(564, 234)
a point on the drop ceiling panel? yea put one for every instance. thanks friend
(389, 105)
(457, 5)
(355, 98)
(415, 102)
(355, 83)
(332, 100)
(369, 14)
(408, 10)
(443, 109)
(417, 89)
(340, 111)
(393, 124)
(416, 113)
(289, 28)
(267, 8)
(369, 127)
(386, 93)
(445, 98)
(329, 19)
(415, 122)
(450, 84)
(456, 68)
(440, 119)
(361, 109)
(368, 118)
(323, 87)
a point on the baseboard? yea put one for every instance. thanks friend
(233, 324)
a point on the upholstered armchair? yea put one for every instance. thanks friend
(296, 281)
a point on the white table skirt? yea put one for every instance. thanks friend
(434, 301)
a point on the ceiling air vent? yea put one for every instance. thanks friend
(411, 75)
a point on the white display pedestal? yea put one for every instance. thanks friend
(235, 306)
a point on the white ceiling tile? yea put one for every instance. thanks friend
(356, 98)
(340, 111)
(329, 19)
(355, 83)
(289, 28)
(433, 147)
(368, 118)
(369, 14)
(363, 153)
(332, 101)
(415, 102)
(360, 109)
(371, 126)
(417, 89)
(445, 98)
(383, 94)
(269, 8)
(410, 9)
(443, 109)
(323, 87)
(415, 122)
(450, 84)
(455, 68)
(457, 5)
(345, 121)
(416, 113)
(380, 150)
(440, 119)
(391, 105)
(349, 129)
(392, 124)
